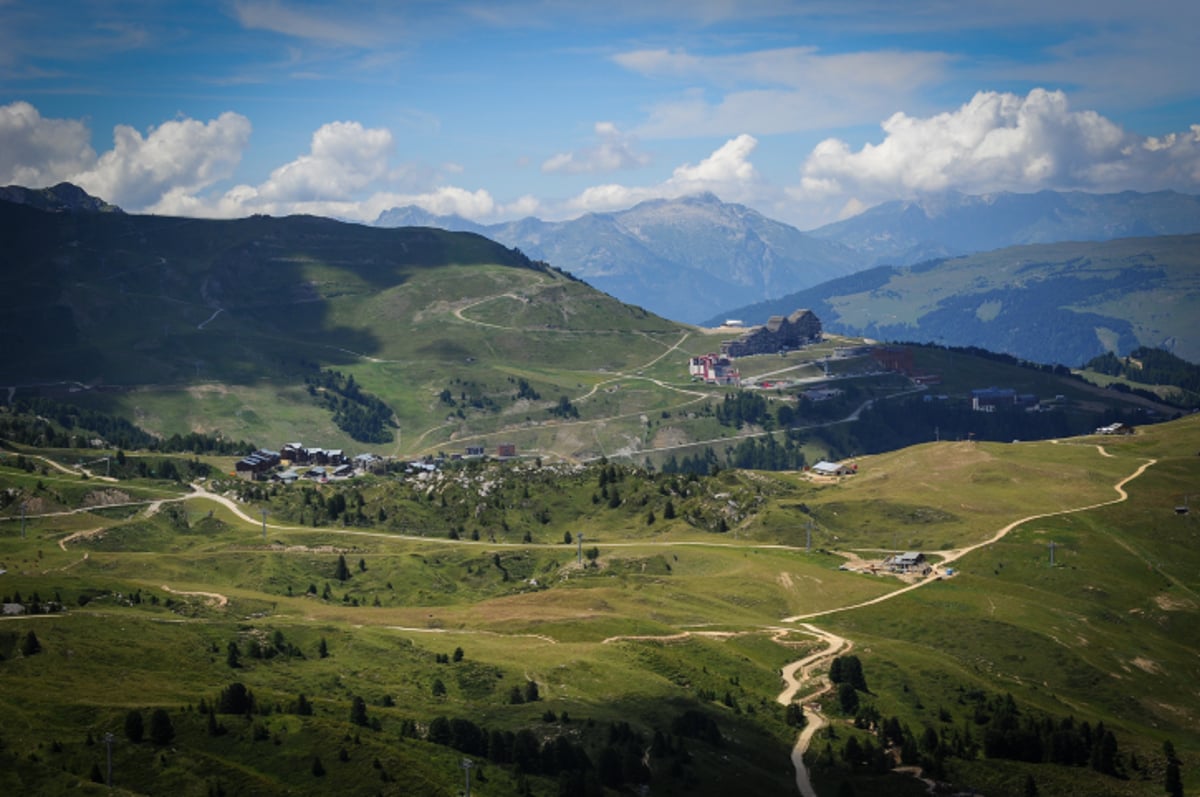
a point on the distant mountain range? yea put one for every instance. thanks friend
(1051, 303)
(697, 257)
(903, 233)
(682, 258)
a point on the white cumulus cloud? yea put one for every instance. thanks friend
(183, 155)
(727, 172)
(36, 151)
(344, 158)
(1001, 142)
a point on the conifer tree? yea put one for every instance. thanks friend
(134, 726)
(161, 729)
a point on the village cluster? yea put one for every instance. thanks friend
(295, 461)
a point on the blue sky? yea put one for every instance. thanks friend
(805, 111)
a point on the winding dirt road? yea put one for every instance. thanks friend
(803, 672)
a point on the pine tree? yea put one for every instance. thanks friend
(161, 729)
(323, 649)
(134, 726)
(1173, 781)
(30, 645)
(847, 698)
(343, 572)
(358, 711)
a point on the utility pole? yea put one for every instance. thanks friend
(108, 742)
(808, 535)
(264, 517)
(1052, 553)
(22, 520)
(466, 765)
(579, 537)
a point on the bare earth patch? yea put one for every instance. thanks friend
(105, 498)
(1169, 603)
(1146, 665)
(89, 534)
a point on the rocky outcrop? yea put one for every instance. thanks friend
(64, 197)
(779, 333)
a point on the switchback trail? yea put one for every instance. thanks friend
(798, 674)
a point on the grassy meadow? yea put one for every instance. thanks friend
(467, 592)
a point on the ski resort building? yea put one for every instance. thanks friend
(824, 468)
(716, 369)
(911, 562)
(779, 334)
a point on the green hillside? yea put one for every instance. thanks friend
(1052, 303)
(388, 626)
(219, 326)
(412, 342)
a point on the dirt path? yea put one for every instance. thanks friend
(680, 637)
(88, 534)
(955, 554)
(415, 630)
(799, 674)
(214, 598)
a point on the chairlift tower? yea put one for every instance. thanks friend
(466, 765)
(108, 742)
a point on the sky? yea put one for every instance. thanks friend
(807, 112)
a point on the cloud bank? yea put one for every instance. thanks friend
(994, 142)
(1001, 142)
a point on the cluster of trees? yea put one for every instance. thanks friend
(308, 505)
(744, 407)
(615, 760)
(162, 730)
(32, 421)
(767, 453)
(564, 409)
(176, 470)
(890, 425)
(1149, 367)
(524, 391)
(1011, 734)
(363, 416)
(1001, 730)
(477, 396)
(846, 674)
(702, 464)
(255, 649)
